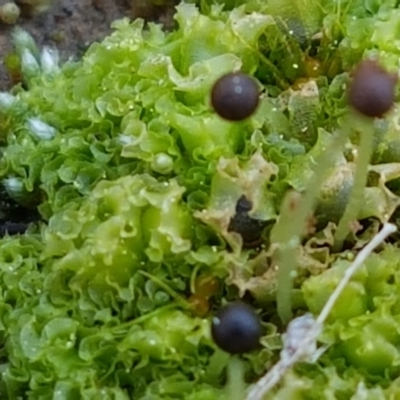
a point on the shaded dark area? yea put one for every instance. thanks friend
(249, 228)
(15, 218)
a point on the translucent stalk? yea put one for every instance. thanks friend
(366, 128)
(290, 227)
(235, 387)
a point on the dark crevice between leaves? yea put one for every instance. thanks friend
(15, 218)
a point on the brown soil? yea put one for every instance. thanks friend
(72, 25)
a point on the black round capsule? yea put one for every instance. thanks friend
(250, 229)
(236, 328)
(371, 90)
(235, 96)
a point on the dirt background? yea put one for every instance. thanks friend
(72, 25)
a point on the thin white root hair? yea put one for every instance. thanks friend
(300, 340)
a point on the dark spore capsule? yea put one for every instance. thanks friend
(249, 228)
(15, 218)
(236, 328)
(243, 205)
(235, 96)
(371, 90)
(13, 228)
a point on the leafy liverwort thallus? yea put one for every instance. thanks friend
(194, 198)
